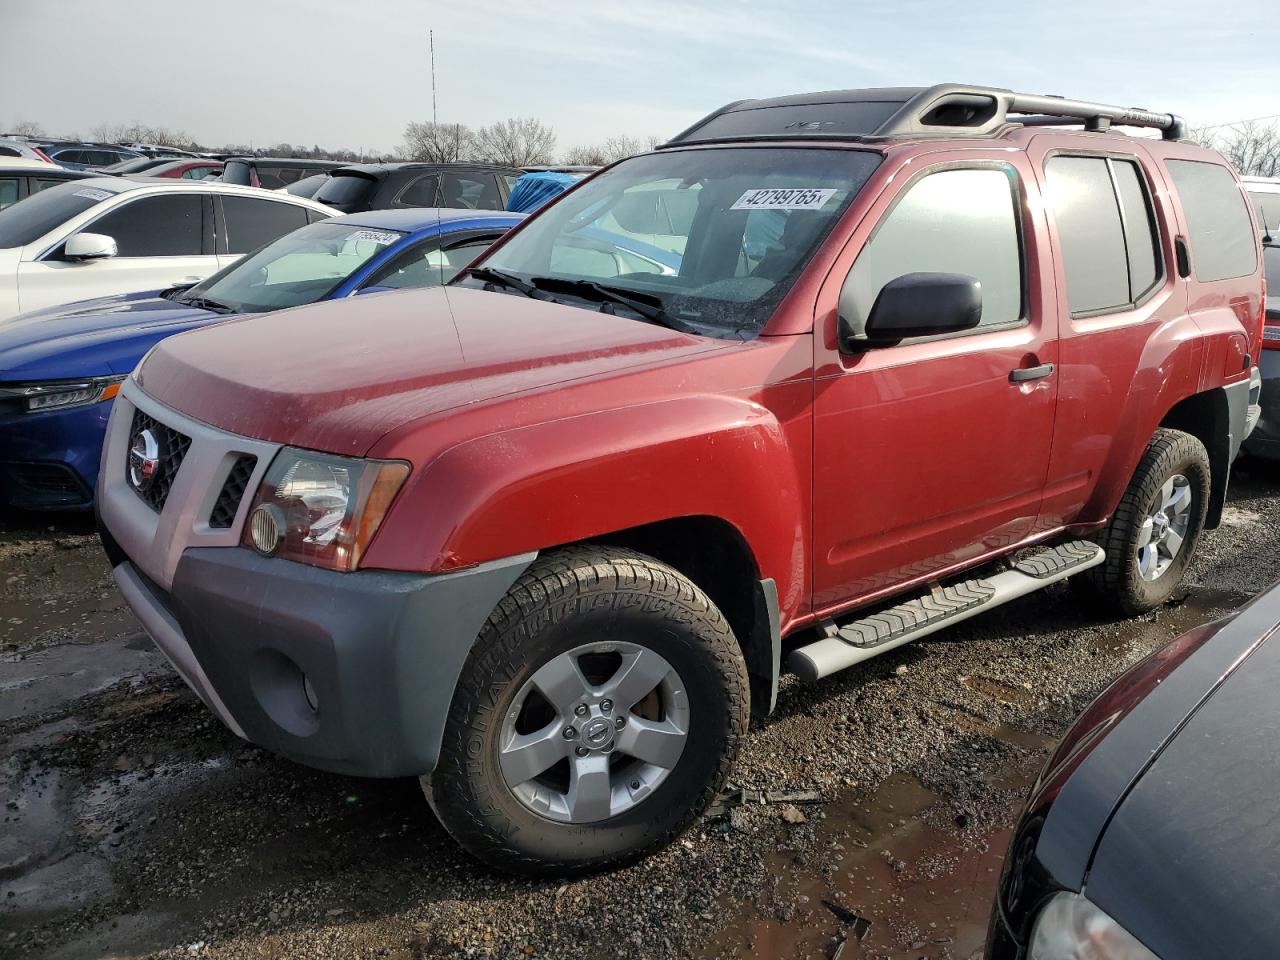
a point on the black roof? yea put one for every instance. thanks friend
(887, 113)
(376, 171)
(288, 161)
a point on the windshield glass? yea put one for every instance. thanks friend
(709, 240)
(301, 267)
(31, 219)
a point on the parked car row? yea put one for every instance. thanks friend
(547, 534)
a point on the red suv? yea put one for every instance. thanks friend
(820, 376)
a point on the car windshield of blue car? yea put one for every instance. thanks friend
(31, 219)
(301, 267)
(707, 241)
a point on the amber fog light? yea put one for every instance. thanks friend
(266, 528)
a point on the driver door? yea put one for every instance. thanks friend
(932, 453)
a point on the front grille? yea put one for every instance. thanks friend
(224, 510)
(45, 485)
(172, 447)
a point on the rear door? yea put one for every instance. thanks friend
(932, 453)
(1124, 333)
(161, 241)
(247, 223)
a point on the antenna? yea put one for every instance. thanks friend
(431, 39)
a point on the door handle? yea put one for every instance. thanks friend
(1023, 374)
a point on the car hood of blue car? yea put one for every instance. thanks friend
(93, 338)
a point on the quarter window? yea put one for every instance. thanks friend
(251, 222)
(954, 221)
(1218, 223)
(163, 226)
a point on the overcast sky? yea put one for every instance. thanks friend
(351, 74)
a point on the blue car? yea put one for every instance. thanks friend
(60, 367)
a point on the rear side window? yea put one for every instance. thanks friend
(1105, 230)
(8, 192)
(954, 221)
(473, 191)
(1218, 223)
(164, 226)
(251, 222)
(9, 152)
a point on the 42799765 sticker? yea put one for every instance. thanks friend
(783, 198)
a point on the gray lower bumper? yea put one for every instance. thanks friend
(352, 672)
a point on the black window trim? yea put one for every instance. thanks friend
(1018, 194)
(439, 241)
(1162, 274)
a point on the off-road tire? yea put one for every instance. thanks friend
(1115, 585)
(565, 598)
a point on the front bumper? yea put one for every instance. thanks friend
(49, 461)
(348, 672)
(1264, 441)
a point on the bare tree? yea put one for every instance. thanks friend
(439, 142)
(586, 156)
(1252, 147)
(518, 142)
(27, 128)
(612, 150)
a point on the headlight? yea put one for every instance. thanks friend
(1069, 927)
(321, 509)
(61, 394)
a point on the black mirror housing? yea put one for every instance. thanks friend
(920, 305)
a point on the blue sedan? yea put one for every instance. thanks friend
(59, 368)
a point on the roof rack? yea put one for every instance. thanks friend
(944, 110)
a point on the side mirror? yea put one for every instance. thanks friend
(90, 246)
(917, 305)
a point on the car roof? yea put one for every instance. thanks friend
(383, 169)
(289, 161)
(419, 218)
(48, 170)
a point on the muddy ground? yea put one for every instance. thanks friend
(132, 824)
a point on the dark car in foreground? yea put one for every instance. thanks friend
(381, 186)
(274, 173)
(1152, 829)
(59, 368)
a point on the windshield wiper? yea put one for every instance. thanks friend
(500, 278)
(649, 308)
(206, 304)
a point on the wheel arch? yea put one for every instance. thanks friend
(1206, 416)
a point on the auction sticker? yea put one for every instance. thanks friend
(92, 194)
(783, 198)
(375, 236)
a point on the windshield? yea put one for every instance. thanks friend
(709, 240)
(301, 267)
(31, 219)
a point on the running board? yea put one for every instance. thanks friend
(941, 607)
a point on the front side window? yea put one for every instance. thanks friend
(429, 265)
(300, 267)
(1105, 230)
(159, 226)
(251, 222)
(676, 233)
(1219, 228)
(954, 221)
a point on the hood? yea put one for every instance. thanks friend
(92, 338)
(1188, 863)
(337, 376)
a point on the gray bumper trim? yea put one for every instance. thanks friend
(167, 635)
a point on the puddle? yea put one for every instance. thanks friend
(898, 874)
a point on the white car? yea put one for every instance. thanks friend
(112, 235)
(19, 151)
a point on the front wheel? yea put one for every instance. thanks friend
(1150, 539)
(598, 714)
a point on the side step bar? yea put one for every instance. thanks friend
(943, 606)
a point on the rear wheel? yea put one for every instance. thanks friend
(598, 714)
(1151, 537)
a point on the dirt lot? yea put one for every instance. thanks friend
(132, 824)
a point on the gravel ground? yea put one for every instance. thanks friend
(134, 825)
